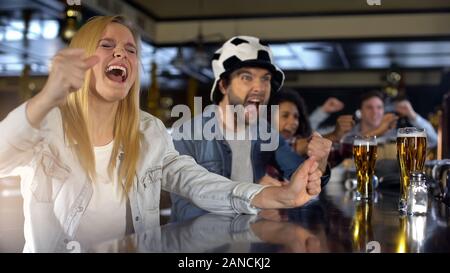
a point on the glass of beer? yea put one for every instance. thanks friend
(411, 154)
(365, 156)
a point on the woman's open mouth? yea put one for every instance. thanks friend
(287, 133)
(116, 73)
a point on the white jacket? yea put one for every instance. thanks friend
(56, 190)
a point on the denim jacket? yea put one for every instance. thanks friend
(56, 190)
(216, 157)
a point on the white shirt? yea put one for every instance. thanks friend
(105, 216)
(241, 162)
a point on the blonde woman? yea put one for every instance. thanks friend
(92, 165)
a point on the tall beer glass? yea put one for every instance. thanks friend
(411, 154)
(365, 156)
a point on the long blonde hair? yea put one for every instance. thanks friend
(75, 114)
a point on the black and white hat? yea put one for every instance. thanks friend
(242, 51)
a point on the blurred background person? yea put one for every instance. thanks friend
(375, 122)
(321, 113)
(344, 123)
(292, 119)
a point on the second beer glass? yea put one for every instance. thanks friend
(411, 153)
(365, 156)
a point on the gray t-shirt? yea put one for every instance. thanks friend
(241, 165)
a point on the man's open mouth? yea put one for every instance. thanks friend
(253, 101)
(116, 73)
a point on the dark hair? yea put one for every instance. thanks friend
(304, 127)
(371, 94)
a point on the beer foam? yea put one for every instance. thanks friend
(362, 142)
(413, 134)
